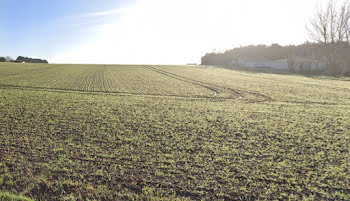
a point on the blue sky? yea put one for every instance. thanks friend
(45, 27)
(146, 31)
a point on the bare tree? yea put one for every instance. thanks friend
(331, 27)
(330, 24)
(318, 27)
(344, 22)
(333, 15)
(341, 23)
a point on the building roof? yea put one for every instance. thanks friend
(255, 59)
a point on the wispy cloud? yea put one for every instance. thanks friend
(89, 21)
(89, 18)
(106, 13)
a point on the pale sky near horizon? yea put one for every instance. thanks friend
(146, 31)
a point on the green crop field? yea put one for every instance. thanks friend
(112, 132)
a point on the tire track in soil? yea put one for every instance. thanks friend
(119, 93)
(217, 88)
(265, 98)
(194, 82)
(93, 92)
(212, 87)
(236, 91)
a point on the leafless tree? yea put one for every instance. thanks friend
(331, 24)
(344, 23)
(331, 27)
(318, 27)
(333, 15)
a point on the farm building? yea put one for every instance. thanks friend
(299, 64)
(346, 71)
(258, 62)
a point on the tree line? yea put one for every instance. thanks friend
(329, 31)
(6, 59)
(22, 59)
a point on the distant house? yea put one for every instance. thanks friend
(300, 64)
(296, 64)
(21, 59)
(346, 71)
(260, 62)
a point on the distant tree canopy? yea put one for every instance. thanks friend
(21, 59)
(2, 59)
(330, 31)
(307, 50)
(273, 52)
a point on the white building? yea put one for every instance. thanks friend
(300, 64)
(346, 70)
(260, 62)
(303, 64)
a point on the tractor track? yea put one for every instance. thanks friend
(115, 93)
(234, 93)
(212, 87)
(92, 92)
(217, 90)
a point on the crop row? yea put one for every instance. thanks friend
(98, 78)
(97, 147)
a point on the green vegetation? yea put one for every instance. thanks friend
(5, 196)
(102, 132)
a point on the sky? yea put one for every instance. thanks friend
(146, 31)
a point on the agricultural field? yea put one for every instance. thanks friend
(113, 132)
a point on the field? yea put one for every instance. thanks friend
(112, 132)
